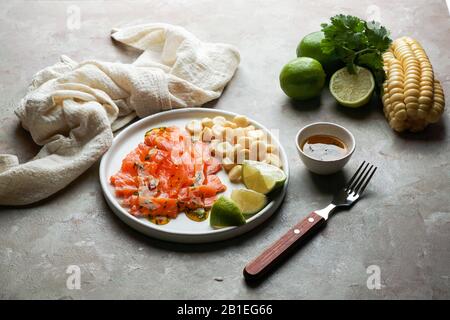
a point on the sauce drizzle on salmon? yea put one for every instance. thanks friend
(167, 174)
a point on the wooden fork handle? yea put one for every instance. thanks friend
(277, 251)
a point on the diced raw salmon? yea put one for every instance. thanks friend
(168, 174)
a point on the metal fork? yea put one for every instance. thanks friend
(345, 197)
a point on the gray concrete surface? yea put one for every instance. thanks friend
(402, 226)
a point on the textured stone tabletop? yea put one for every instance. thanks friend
(402, 226)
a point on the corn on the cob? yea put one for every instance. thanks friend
(412, 97)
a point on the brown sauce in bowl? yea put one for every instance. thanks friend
(324, 148)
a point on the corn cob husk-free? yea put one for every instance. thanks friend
(412, 97)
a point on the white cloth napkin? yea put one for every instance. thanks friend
(71, 108)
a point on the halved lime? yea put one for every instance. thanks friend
(262, 177)
(249, 201)
(224, 213)
(352, 90)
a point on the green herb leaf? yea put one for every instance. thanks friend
(378, 36)
(370, 60)
(356, 42)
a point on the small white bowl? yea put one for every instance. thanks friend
(325, 128)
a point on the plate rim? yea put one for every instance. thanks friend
(220, 233)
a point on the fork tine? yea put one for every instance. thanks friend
(367, 181)
(358, 178)
(354, 176)
(361, 181)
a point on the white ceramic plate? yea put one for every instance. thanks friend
(181, 229)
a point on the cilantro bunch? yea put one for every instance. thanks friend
(357, 42)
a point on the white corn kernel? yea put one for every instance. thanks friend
(256, 134)
(235, 174)
(194, 126)
(213, 144)
(228, 134)
(271, 148)
(228, 164)
(238, 133)
(258, 150)
(207, 122)
(245, 142)
(206, 134)
(273, 159)
(241, 121)
(249, 128)
(230, 124)
(243, 154)
(217, 131)
(236, 149)
(219, 120)
(223, 149)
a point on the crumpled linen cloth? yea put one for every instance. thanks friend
(72, 109)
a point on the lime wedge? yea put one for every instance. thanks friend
(262, 177)
(352, 90)
(249, 201)
(224, 213)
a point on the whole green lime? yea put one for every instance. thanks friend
(302, 78)
(310, 47)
